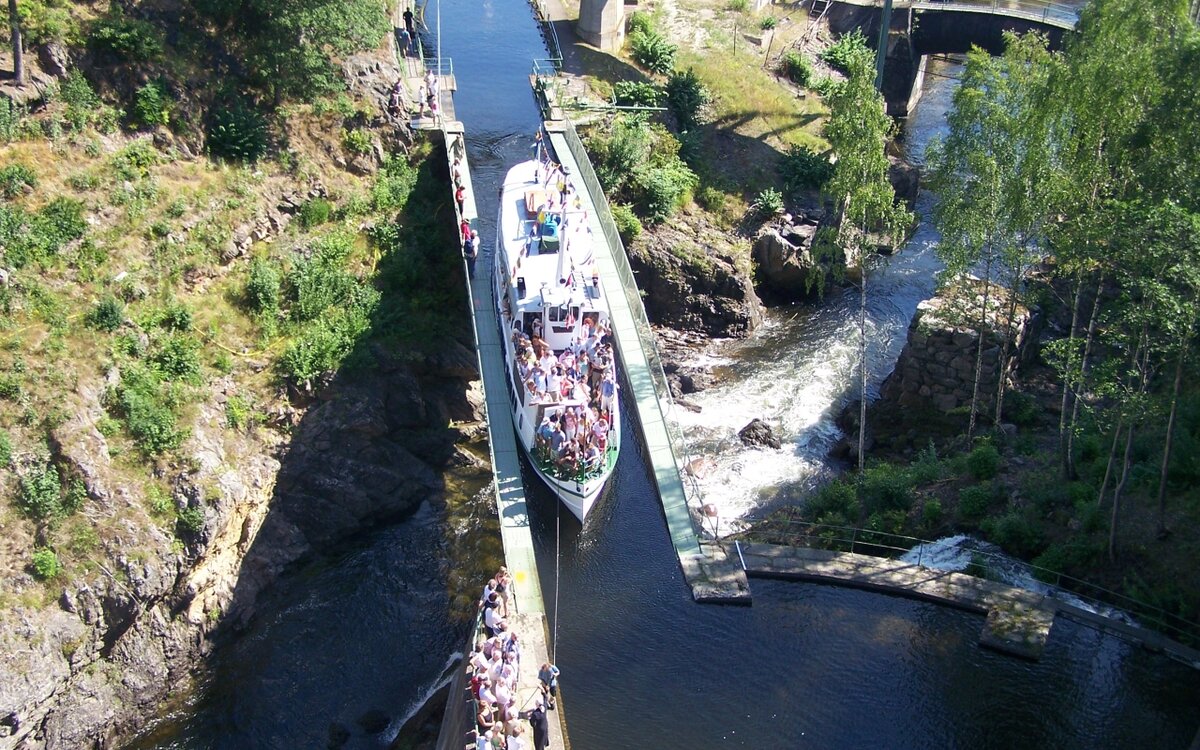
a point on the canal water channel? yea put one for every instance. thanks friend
(353, 643)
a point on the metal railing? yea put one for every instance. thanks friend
(1042, 11)
(549, 32)
(885, 544)
(629, 287)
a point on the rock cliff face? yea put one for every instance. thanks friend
(86, 672)
(693, 276)
(783, 263)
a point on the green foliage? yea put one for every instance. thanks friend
(826, 87)
(314, 212)
(886, 487)
(39, 495)
(38, 237)
(152, 105)
(628, 225)
(237, 132)
(237, 412)
(44, 22)
(133, 162)
(5, 449)
(850, 48)
(126, 39)
(148, 409)
(324, 344)
(927, 467)
(393, 185)
(357, 141)
(797, 67)
(1020, 408)
(176, 356)
(637, 94)
(191, 520)
(686, 96)
(768, 23)
(931, 513)
(640, 22)
(1016, 533)
(711, 199)
(11, 117)
(804, 169)
(835, 504)
(983, 462)
(172, 316)
(263, 286)
(321, 280)
(15, 179)
(974, 501)
(46, 564)
(107, 315)
(769, 203)
(662, 189)
(286, 48)
(652, 51)
(738, 6)
(639, 164)
(1069, 558)
(10, 386)
(82, 103)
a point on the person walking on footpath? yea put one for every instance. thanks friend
(460, 197)
(408, 23)
(471, 251)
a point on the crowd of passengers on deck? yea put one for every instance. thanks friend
(582, 377)
(494, 670)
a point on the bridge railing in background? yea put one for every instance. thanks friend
(1043, 11)
(629, 287)
(796, 532)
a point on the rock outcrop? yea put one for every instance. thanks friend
(86, 671)
(696, 277)
(783, 262)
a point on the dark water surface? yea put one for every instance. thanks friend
(643, 666)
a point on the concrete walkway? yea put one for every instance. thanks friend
(1018, 620)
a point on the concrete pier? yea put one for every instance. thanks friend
(1018, 621)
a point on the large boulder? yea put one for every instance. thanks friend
(783, 261)
(759, 434)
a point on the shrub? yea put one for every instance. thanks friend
(711, 199)
(15, 179)
(148, 410)
(324, 345)
(321, 281)
(11, 117)
(662, 189)
(1015, 533)
(825, 86)
(127, 39)
(797, 67)
(840, 54)
(1020, 408)
(931, 513)
(984, 461)
(769, 203)
(393, 184)
(628, 225)
(107, 315)
(5, 449)
(836, 498)
(160, 501)
(40, 493)
(133, 162)
(886, 487)
(804, 169)
(191, 520)
(767, 23)
(738, 6)
(357, 141)
(46, 564)
(637, 94)
(176, 356)
(314, 212)
(237, 412)
(640, 22)
(10, 386)
(1068, 558)
(237, 132)
(652, 51)
(263, 286)
(974, 501)
(152, 105)
(686, 96)
(927, 467)
(83, 105)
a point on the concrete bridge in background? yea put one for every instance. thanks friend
(1057, 15)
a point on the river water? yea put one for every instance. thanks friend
(354, 642)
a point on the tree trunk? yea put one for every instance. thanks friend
(1166, 457)
(987, 288)
(1005, 347)
(1083, 366)
(1112, 456)
(1112, 526)
(1068, 375)
(14, 22)
(862, 361)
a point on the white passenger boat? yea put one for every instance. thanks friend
(554, 323)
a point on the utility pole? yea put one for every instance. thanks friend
(881, 51)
